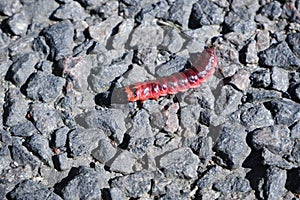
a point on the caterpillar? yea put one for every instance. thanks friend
(203, 68)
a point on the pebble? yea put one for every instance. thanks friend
(104, 151)
(280, 79)
(241, 79)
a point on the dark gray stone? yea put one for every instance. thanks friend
(173, 42)
(111, 121)
(71, 10)
(279, 55)
(202, 146)
(21, 155)
(274, 182)
(104, 151)
(15, 108)
(146, 56)
(173, 66)
(134, 185)
(24, 129)
(116, 194)
(44, 87)
(262, 95)
(120, 39)
(275, 138)
(256, 116)
(271, 159)
(22, 68)
(84, 185)
(209, 177)
(123, 162)
(272, 10)
(296, 152)
(261, 78)
(228, 100)
(295, 131)
(205, 13)
(10, 7)
(101, 77)
(285, 112)
(231, 146)
(232, 184)
(59, 37)
(63, 162)
(293, 40)
(60, 137)
(140, 145)
(83, 141)
(280, 79)
(180, 163)
(39, 145)
(44, 118)
(32, 190)
(5, 141)
(180, 11)
(19, 23)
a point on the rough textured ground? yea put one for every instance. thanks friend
(237, 136)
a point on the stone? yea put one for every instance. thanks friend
(180, 163)
(19, 23)
(261, 78)
(173, 66)
(44, 87)
(104, 151)
(123, 162)
(71, 10)
(241, 79)
(293, 40)
(84, 185)
(59, 37)
(60, 137)
(279, 55)
(272, 10)
(231, 146)
(232, 184)
(280, 79)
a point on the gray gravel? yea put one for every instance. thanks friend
(62, 136)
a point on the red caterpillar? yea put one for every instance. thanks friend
(203, 68)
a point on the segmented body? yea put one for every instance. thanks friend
(202, 69)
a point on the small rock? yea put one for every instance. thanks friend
(228, 100)
(84, 185)
(256, 117)
(102, 31)
(21, 155)
(251, 54)
(173, 42)
(262, 95)
(205, 13)
(275, 138)
(270, 159)
(22, 68)
(44, 87)
(272, 10)
(63, 162)
(15, 109)
(173, 66)
(111, 121)
(180, 11)
(285, 112)
(19, 23)
(262, 40)
(274, 182)
(39, 145)
(104, 152)
(116, 194)
(280, 79)
(60, 137)
(146, 56)
(9, 7)
(202, 146)
(32, 190)
(59, 37)
(261, 78)
(71, 10)
(293, 40)
(180, 163)
(147, 35)
(83, 141)
(134, 185)
(211, 176)
(172, 121)
(241, 79)
(295, 131)
(231, 145)
(279, 55)
(123, 163)
(232, 184)
(296, 151)
(120, 39)
(45, 119)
